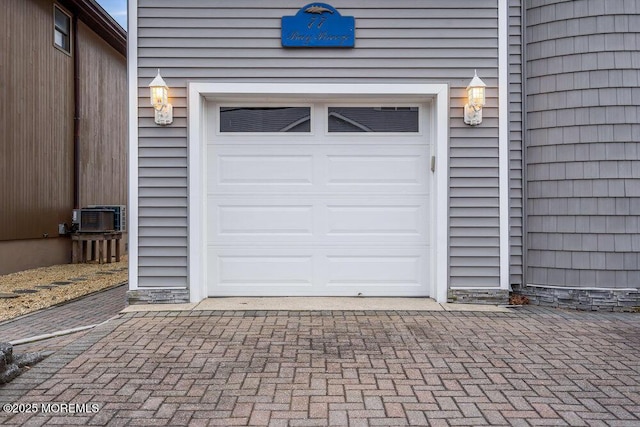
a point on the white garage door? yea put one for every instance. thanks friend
(322, 199)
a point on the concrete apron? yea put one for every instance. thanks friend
(316, 304)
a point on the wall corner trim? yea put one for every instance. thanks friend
(132, 71)
(503, 138)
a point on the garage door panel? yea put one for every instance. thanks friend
(375, 220)
(381, 270)
(263, 170)
(374, 170)
(256, 270)
(356, 169)
(265, 220)
(243, 219)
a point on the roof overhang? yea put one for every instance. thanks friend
(96, 18)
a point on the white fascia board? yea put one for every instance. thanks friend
(319, 90)
(199, 91)
(503, 139)
(132, 65)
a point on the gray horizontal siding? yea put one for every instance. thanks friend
(583, 166)
(279, 8)
(401, 41)
(230, 44)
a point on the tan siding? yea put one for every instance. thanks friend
(103, 121)
(400, 41)
(36, 123)
(19, 255)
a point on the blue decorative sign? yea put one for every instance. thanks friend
(318, 25)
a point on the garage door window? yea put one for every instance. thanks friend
(265, 119)
(373, 119)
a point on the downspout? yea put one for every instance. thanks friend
(76, 112)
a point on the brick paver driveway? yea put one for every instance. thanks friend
(532, 367)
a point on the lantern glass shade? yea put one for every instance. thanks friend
(159, 96)
(476, 95)
(159, 92)
(475, 91)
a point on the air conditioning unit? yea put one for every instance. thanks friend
(93, 220)
(120, 215)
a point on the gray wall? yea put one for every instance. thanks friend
(516, 165)
(582, 142)
(401, 41)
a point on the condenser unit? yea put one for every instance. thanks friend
(93, 220)
(120, 215)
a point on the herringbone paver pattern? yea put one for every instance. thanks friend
(536, 367)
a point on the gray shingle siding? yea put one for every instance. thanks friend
(403, 41)
(583, 171)
(516, 191)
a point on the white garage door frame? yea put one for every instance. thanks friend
(199, 92)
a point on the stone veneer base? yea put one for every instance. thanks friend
(478, 296)
(582, 299)
(158, 296)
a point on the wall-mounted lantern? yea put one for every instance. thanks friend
(159, 92)
(476, 100)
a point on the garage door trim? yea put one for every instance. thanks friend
(198, 92)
